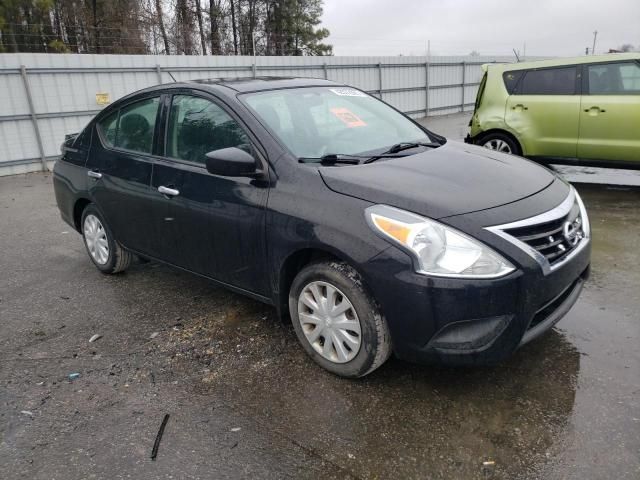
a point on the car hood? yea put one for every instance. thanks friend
(453, 179)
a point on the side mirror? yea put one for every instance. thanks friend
(231, 162)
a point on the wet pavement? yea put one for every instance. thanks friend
(244, 400)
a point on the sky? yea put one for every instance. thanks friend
(489, 27)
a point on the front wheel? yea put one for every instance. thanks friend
(337, 322)
(104, 251)
(501, 143)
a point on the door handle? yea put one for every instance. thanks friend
(94, 174)
(519, 106)
(170, 192)
(595, 109)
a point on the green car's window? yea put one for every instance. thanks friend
(136, 125)
(549, 81)
(511, 79)
(316, 121)
(614, 78)
(198, 126)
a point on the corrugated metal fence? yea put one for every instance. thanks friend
(43, 97)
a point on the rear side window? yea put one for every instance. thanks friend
(136, 125)
(198, 126)
(614, 78)
(511, 80)
(548, 81)
(131, 127)
(108, 128)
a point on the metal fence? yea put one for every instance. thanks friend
(43, 97)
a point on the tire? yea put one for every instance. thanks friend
(362, 322)
(500, 142)
(104, 251)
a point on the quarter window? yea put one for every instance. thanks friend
(198, 126)
(511, 79)
(612, 78)
(549, 81)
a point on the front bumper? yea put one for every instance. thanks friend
(471, 322)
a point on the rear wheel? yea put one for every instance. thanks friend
(501, 143)
(337, 322)
(104, 251)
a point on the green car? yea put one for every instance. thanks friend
(583, 110)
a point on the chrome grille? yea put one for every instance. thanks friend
(554, 239)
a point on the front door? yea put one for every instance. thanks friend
(543, 110)
(212, 225)
(610, 112)
(120, 166)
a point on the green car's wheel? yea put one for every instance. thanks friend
(501, 143)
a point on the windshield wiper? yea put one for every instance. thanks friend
(334, 158)
(399, 147)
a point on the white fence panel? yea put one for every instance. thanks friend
(64, 86)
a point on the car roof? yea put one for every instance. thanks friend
(229, 86)
(257, 84)
(556, 62)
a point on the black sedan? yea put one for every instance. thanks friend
(373, 234)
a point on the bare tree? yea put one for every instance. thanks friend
(163, 30)
(203, 40)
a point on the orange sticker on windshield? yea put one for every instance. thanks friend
(347, 117)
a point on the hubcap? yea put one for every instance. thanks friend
(499, 145)
(95, 237)
(329, 322)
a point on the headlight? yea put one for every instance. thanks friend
(436, 248)
(586, 227)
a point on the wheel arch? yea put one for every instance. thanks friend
(501, 131)
(78, 207)
(295, 262)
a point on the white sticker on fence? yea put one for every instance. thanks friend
(348, 92)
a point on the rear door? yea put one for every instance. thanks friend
(120, 166)
(610, 112)
(544, 111)
(209, 224)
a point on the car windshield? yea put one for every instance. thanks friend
(318, 121)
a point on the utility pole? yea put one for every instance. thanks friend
(593, 49)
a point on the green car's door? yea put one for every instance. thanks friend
(610, 112)
(544, 112)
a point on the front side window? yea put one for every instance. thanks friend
(131, 127)
(612, 78)
(198, 126)
(549, 81)
(317, 121)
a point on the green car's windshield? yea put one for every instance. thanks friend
(318, 121)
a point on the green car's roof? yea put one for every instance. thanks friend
(555, 62)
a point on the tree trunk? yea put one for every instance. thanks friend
(214, 19)
(233, 25)
(203, 39)
(96, 32)
(163, 31)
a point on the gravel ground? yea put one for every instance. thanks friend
(244, 400)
